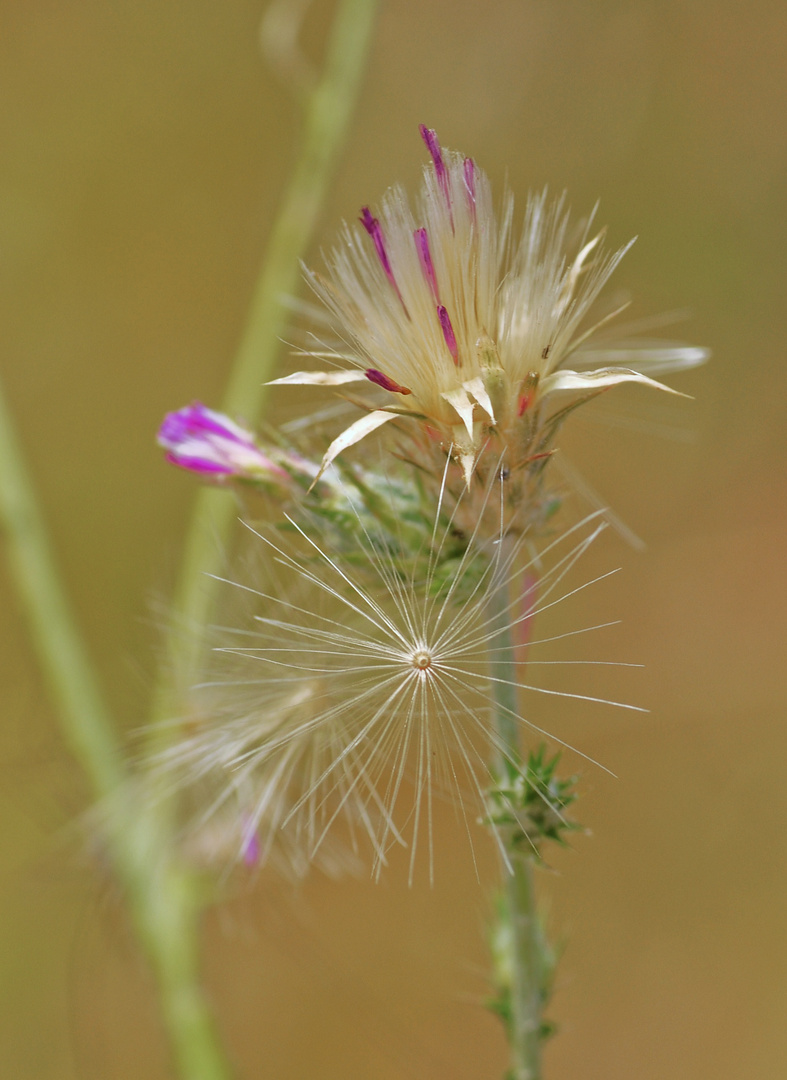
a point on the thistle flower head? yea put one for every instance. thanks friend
(477, 337)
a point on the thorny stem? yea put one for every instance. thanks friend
(526, 962)
(163, 894)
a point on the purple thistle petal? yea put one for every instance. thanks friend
(385, 382)
(425, 256)
(372, 226)
(198, 464)
(433, 146)
(448, 333)
(173, 428)
(196, 420)
(204, 421)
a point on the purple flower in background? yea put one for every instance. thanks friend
(207, 442)
(251, 849)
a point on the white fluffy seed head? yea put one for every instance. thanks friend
(357, 691)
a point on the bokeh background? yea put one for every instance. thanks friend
(144, 148)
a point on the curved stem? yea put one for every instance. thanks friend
(157, 888)
(85, 718)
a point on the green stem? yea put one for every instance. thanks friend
(138, 843)
(328, 110)
(167, 903)
(526, 962)
(163, 893)
(85, 718)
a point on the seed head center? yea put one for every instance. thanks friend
(421, 659)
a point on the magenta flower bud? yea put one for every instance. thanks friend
(207, 442)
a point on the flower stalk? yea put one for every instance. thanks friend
(521, 957)
(159, 890)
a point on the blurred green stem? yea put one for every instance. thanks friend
(84, 716)
(163, 894)
(157, 888)
(526, 961)
(328, 109)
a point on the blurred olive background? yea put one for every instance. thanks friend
(144, 148)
